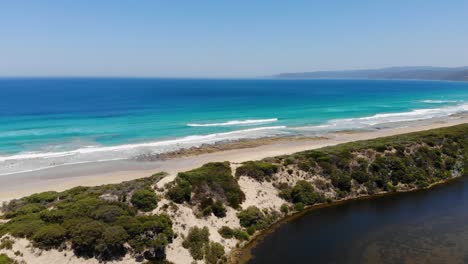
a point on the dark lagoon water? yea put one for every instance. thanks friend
(429, 226)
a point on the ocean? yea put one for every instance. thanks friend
(48, 122)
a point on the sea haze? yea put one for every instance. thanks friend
(52, 122)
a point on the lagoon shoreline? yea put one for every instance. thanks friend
(60, 178)
(244, 254)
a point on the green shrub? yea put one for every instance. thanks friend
(44, 197)
(200, 247)
(360, 176)
(259, 170)
(4, 259)
(23, 226)
(111, 243)
(299, 207)
(288, 161)
(25, 210)
(251, 230)
(85, 237)
(108, 213)
(180, 192)
(212, 180)
(284, 209)
(52, 216)
(304, 166)
(144, 199)
(303, 192)
(240, 234)
(196, 240)
(6, 243)
(252, 217)
(226, 232)
(285, 193)
(94, 227)
(342, 182)
(218, 209)
(49, 236)
(208, 206)
(214, 253)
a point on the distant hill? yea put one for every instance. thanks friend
(394, 73)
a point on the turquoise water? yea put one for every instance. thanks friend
(50, 122)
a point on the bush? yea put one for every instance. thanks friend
(94, 227)
(111, 243)
(49, 236)
(144, 199)
(109, 213)
(259, 170)
(226, 232)
(4, 259)
(85, 237)
(299, 207)
(214, 253)
(210, 180)
(342, 182)
(196, 240)
(360, 176)
(6, 243)
(23, 226)
(25, 210)
(180, 192)
(240, 235)
(208, 206)
(44, 197)
(284, 209)
(200, 247)
(303, 192)
(52, 216)
(251, 217)
(218, 209)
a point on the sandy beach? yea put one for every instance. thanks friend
(89, 174)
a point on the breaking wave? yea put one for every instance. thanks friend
(439, 101)
(236, 122)
(387, 118)
(29, 161)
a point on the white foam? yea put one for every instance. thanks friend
(235, 122)
(439, 101)
(381, 119)
(185, 140)
(32, 161)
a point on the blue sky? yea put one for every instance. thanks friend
(227, 38)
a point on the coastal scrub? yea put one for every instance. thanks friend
(212, 180)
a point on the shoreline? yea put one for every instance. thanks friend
(244, 254)
(89, 174)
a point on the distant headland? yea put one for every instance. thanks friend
(393, 73)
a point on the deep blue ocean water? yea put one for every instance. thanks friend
(48, 122)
